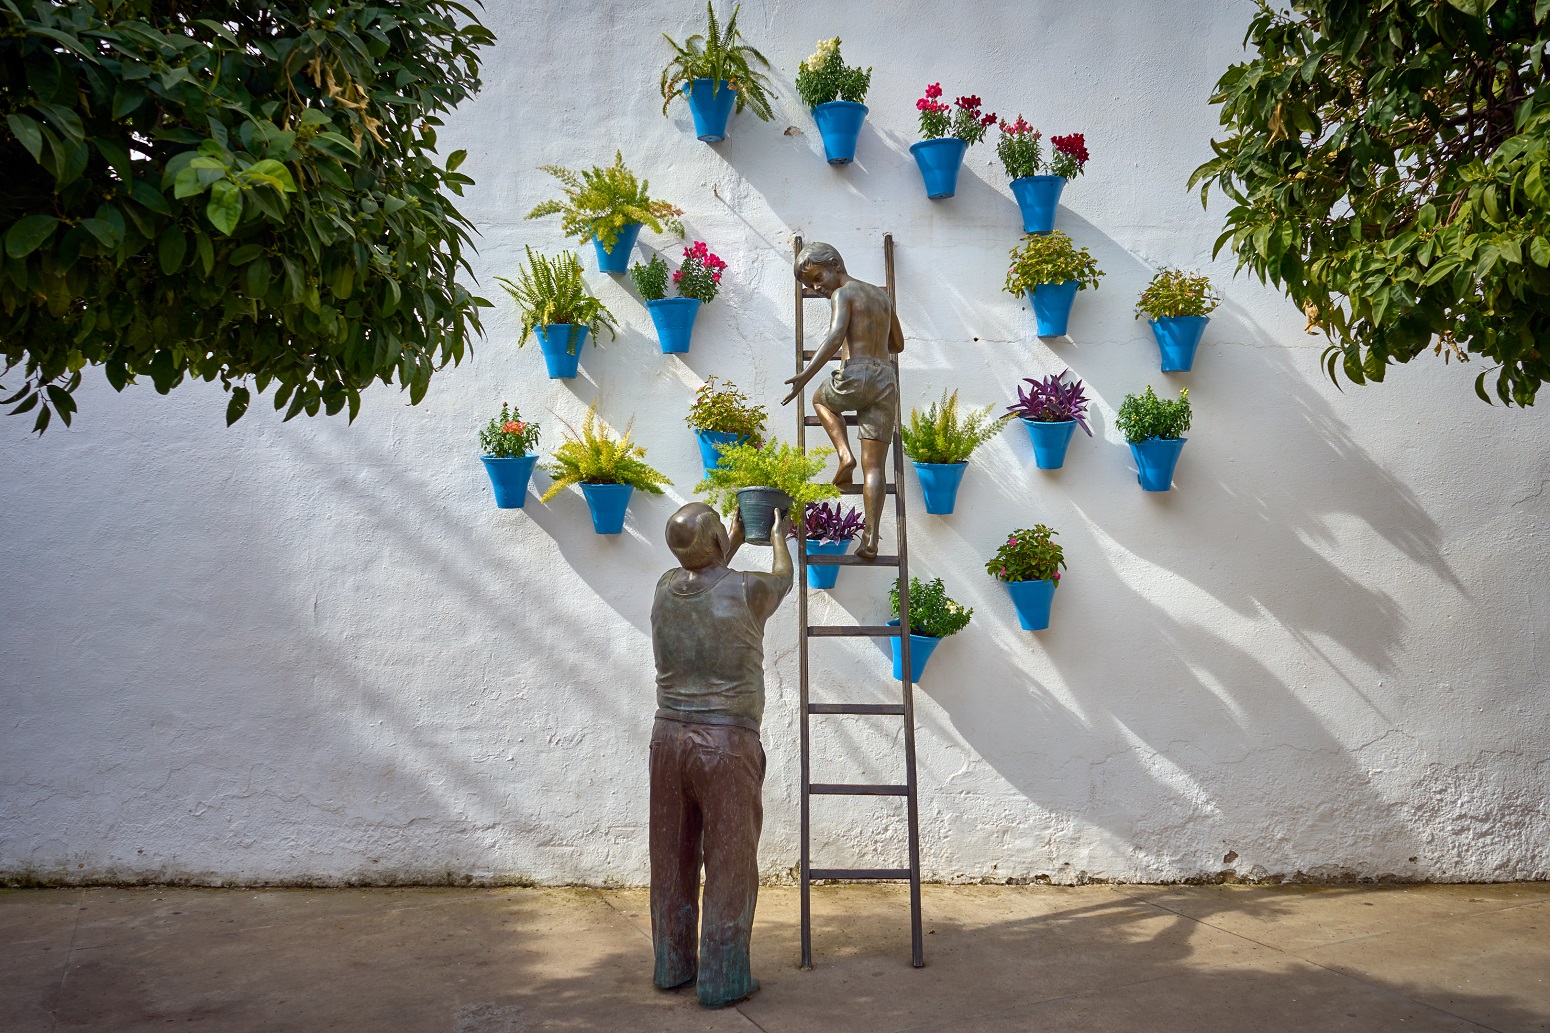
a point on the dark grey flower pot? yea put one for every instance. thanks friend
(758, 507)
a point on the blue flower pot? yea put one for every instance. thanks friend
(1052, 306)
(939, 485)
(617, 258)
(674, 318)
(921, 648)
(608, 503)
(839, 123)
(825, 576)
(1177, 339)
(509, 476)
(939, 162)
(1049, 441)
(1155, 460)
(1038, 197)
(1031, 599)
(710, 456)
(562, 348)
(710, 109)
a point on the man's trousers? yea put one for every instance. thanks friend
(706, 785)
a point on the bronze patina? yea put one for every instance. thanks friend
(707, 764)
(864, 330)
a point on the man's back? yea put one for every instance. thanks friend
(709, 646)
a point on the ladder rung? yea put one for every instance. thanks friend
(851, 419)
(894, 709)
(856, 489)
(851, 631)
(858, 873)
(808, 353)
(808, 292)
(835, 789)
(852, 561)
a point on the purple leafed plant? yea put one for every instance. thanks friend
(1052, 400)
(830, 523)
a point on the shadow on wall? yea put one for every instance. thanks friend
(1182, 580)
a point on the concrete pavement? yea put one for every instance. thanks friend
(1157, 959)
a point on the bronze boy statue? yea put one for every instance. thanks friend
(865, 330)
(707, 765)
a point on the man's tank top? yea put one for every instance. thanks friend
(709, 652)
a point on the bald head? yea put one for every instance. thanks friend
(696, 536)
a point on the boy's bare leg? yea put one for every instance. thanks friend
(874, 460)
(834, 423)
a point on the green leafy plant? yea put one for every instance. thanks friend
(1173, 292)
(727, 410)
(508, 435)
(824, 77)
(941, 435)
(552, 291)
(594, 456)
(1050, 258)
(932, 613)
(718, 55)
(1386, 166)
(599, 202)
(774, 464)
(962, 118)
(1021, 155)
(1145, 416)
(1028, 555)
(247, 197)
(650, 279)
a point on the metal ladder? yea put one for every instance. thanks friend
(905, 708)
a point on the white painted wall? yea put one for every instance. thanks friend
(311, 651)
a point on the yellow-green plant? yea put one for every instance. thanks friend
(599, 202)
(1173, 292)
(774, 464)
(594, 456)
(720, 56)
(941, 435)
(1050, 258)
(551, 290)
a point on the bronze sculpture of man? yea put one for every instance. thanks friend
(865, 331)
(707, 764)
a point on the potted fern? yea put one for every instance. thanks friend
(697, 279)
(1179, 305)
(1050, 269)
(554, 303)
(940, 441)
(1037, 183)
(607, 206)
(759, 479)
(1154, 428)
(723, 416)
(713, 73)
(1051, 410)
(1029, 563)
(508, 442)
(834, 92)
(948, 135)
(609, 469)
(829, 530)
(933, 617)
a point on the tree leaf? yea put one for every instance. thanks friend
(28, 132)
(171, 249)
(225, 207)
(28, 234)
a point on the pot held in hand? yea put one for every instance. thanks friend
(758, 506)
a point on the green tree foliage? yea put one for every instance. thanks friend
(1387, 162)
(242, 192)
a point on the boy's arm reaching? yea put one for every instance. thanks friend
(826, 350)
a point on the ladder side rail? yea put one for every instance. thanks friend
(805, 861)
(912, 802)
